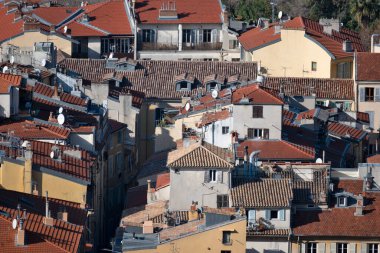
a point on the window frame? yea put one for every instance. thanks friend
(342, 248)
(207, 35)
(225, 129)
(369, 97)
(373, 248)
(311, 247)
(187, 36)
(147, 36)
(213, 177)
(222, 200)
(344, 204)
(257, 111)
(226, 238)
(314, 66)
(277, 215)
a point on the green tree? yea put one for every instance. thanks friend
(365, 12)
(253, 9)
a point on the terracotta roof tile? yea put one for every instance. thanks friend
(200, 155)
(208, 118)
(194, 12)
(373, 159)
(342, 130)
(162, 180)
(48, 91)
(63, 237)
(368, 66)
(270, 232)
(54, 15)
(262, 194)
(277, 150)
(363, 117)
(324, 88)
(8, 80)
(256, 95)
(14, 28)
(354, 186)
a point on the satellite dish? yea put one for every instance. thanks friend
(65, 28)
(214, 94)
(327, 103)
(14, 223)
(5, 69)
(43, 62)
(12, 60)
(187, 106)
(52, 155)
(279, 14)
(25, 144)
(111, 55)
(61, 119)
(60, 110)
(319, 160)
(81, 4)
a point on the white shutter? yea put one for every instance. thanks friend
(200, 36)
(303, 247)
(207, 176)
(214, 35)
(364, 247)
(332, 247)
(362, 94)
(267, 214)
(252, 216)
(371, 118)
(220, 176)
(377, 94)
(282, 214)
(352, 247)
(321, 246)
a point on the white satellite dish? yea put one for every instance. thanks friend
(60, 110)
(81, 4)
(65, 29)
(25, 144)
(279, 14)
(12, 60)
(5, 69)
(52, 154)
(61, 119)
(327, 103)
(43, 62)
(319, 160)
(14, 223)
(187, 106)
(111, 55)
(214, 94)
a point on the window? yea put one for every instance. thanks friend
(341, 247)
(226, 237)
(119, 137)
(188, 36)
(116, 45)
(369, 94)
(235, 59)
(222, 200)
(257, 111)
(225, 251)
(207, 35)
(273, 214)
(258, 133)
(342, 201)
(311, 247)
(344, 70)
(225, 130)
(233, 44)
(373, 248)
(183, 85)
(212, 174)
(313, 66)
(148, 35)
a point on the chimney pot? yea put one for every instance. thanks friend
(148, 227)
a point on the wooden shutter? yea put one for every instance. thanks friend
(207, 176)
(282, 214)
(214, 35)
(252, 216)
(303, 247)
(362, 94)
(332, 247)
(250, 133)
(321, 246)
(377, 94)
(267, 214)
(220, 176)
(266, 133)
(364, 247)
(352, 247)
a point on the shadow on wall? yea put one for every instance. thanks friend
(2, 112)
(163, 139)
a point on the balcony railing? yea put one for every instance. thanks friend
(202, 46)
(157, 46)
(185, 46)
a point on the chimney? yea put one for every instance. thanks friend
(28, 155)
(20, 240)
(48, 221)
(329, 25)
(347, 46)
(148, 227)
(369, 180)
(56, 94)
(63, 215)
(150, 193)
(359, 206)
(35, 191)
(226, 18)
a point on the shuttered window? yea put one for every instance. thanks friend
(222, 200)
(311, 247)
(257, 111)
(207, 35)
(341, 247)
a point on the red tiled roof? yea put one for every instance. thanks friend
(256, 95)
(208, 118)
(7, 20)
(105, 18)
(341, 222)
(189, 12)
(26, 129)
(342, 130)
(54, 15)
(349, 185)
(258, 37)
(162, 180)
(368, 66)
(276, 150)
(48, 91)
(306, 114)
(62, 237)
(7, 80)
(362, 116)
(324, 88)
(116, 125)
(373, 159)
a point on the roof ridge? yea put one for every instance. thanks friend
(229, 164)
(51, 131)
(299, 147)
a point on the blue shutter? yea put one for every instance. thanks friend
(252, 216)
(377, 94)
(282, 214)
(153, 36)
(267, 214)
(362, 94)
(200, 36)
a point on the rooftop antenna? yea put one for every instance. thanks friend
(319, 160)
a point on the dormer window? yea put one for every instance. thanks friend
(183, 85)
(342, 201)
(212, 86)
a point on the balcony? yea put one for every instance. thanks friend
(202, 46)
(145, 46)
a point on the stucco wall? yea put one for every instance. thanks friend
(327, 246)
(5, 104)
(29, 38)
(272, 120)
(188, 185)
(369, 106)
(84, 140)
(292, 56)
(12, 176)
(267, 245)
(213, 133)
(94, 47)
